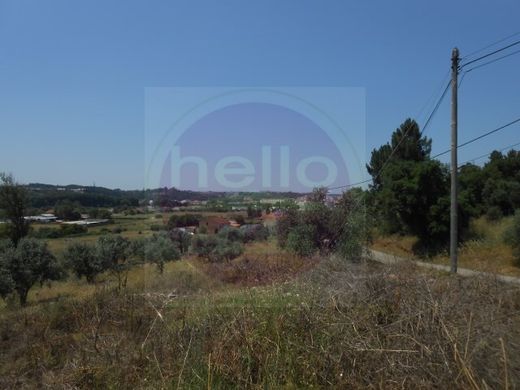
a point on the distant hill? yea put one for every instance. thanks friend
(47, 195)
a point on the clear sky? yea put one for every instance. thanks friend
(73, 74)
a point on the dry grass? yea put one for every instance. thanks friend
(337, 325)
(486, 252)
(262, 263)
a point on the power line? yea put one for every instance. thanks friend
(487, 154)
(349, 185)
(492, 61)
(435, 93)
(435, 108)
(430, 117)
(480, 137)
(490, 54)
(490, 45)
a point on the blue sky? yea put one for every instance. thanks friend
(73, 74)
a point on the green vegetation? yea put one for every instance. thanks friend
(13, 201)
(341, 229)
(25, 265)
(215, 249)
(410, 196)
(82, 259)
(512, 237)
(184, 220)
(62, 231)
(338, 325)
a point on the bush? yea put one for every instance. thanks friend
(6, 281)
(159, 249)
(215, 249)
(231, 234)
(113, 253)
(31, 262)
(183, 220)
(63, 231)
(83, 261)
(494, 213)
(239, 218)
(181, 239)
(513, 237)
(301, 240)
(255, 232)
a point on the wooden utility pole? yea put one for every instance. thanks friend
(454, 144)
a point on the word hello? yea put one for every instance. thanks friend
(239, 172)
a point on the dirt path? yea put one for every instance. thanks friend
(387, 258)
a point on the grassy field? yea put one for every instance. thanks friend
(487, 251)
(335, 324)
(267, 319)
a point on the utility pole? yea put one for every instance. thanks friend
(454, 144)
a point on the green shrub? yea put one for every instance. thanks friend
(494, 213)
(63, 231)
(83, 260)
(215, 249)
(513, 237)
(301, 240)
(181, 239)
(159, 249)
(231, 234)
(31, 262)
(6, 281)
(256, 232)
(183, 220)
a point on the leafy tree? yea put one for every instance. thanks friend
(318, 195)
(315, 213)
(287, 221)
(13, 200)
(83, 260)
(408, 145)
(181, 238)
(471, 183)
(159, 249)
(113, 252)
(6, 254)
(349, 225)
(254, 211)
(183, 220)
(67, 210)
(30, 263)
(302, 240)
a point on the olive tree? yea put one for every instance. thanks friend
(13, 200)
(83, 260)
(159, 249)
(31, 263)
(113, 253)
(6, 281)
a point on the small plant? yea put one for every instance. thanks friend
(512, 237)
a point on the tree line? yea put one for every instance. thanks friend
(410, 193)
